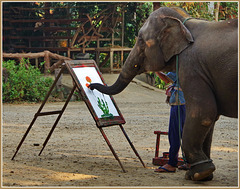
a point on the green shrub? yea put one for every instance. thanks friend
(158, 82)
(24, 84)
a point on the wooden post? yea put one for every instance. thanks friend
(47, 62)
(111, 60)
(113, 38)
(36, 62)
(69, 52)
(123, 29)
(121, 58)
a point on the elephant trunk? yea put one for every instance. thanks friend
(124, 78)
(116, 88)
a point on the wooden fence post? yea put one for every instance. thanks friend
(47, 62)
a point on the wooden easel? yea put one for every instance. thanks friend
(100, 123)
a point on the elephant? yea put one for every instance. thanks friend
(207, 56)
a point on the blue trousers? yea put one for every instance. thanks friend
(173, 133)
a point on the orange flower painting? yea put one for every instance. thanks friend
(88, 79)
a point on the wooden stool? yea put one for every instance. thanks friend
(164, 159)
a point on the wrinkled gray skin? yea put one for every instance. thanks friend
(208, 68)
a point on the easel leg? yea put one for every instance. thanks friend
(38, 113)
(111, 148)
(24, 137)
(132, 146)
(58, 118)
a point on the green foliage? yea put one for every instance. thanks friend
(24, 84)
(158, 82)
(194, 9)
(228, 10)
(203, 9)
(136, 14)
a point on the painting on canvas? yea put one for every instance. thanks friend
(101, 103)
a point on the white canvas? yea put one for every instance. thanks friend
(93, 95)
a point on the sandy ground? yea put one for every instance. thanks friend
(77, 155)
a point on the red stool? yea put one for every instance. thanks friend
(164, 159)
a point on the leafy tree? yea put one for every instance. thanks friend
(203, 10)
(228, 10)
(135, 16)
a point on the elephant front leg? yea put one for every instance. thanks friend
(197, 138)
(208, 140)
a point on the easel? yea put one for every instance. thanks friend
(100, 123)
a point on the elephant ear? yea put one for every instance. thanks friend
(174, 37)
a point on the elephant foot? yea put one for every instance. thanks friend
(201, 172)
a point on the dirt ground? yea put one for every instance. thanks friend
(77, 154)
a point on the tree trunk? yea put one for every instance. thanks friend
(217, 11)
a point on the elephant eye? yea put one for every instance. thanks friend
(137, 67)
